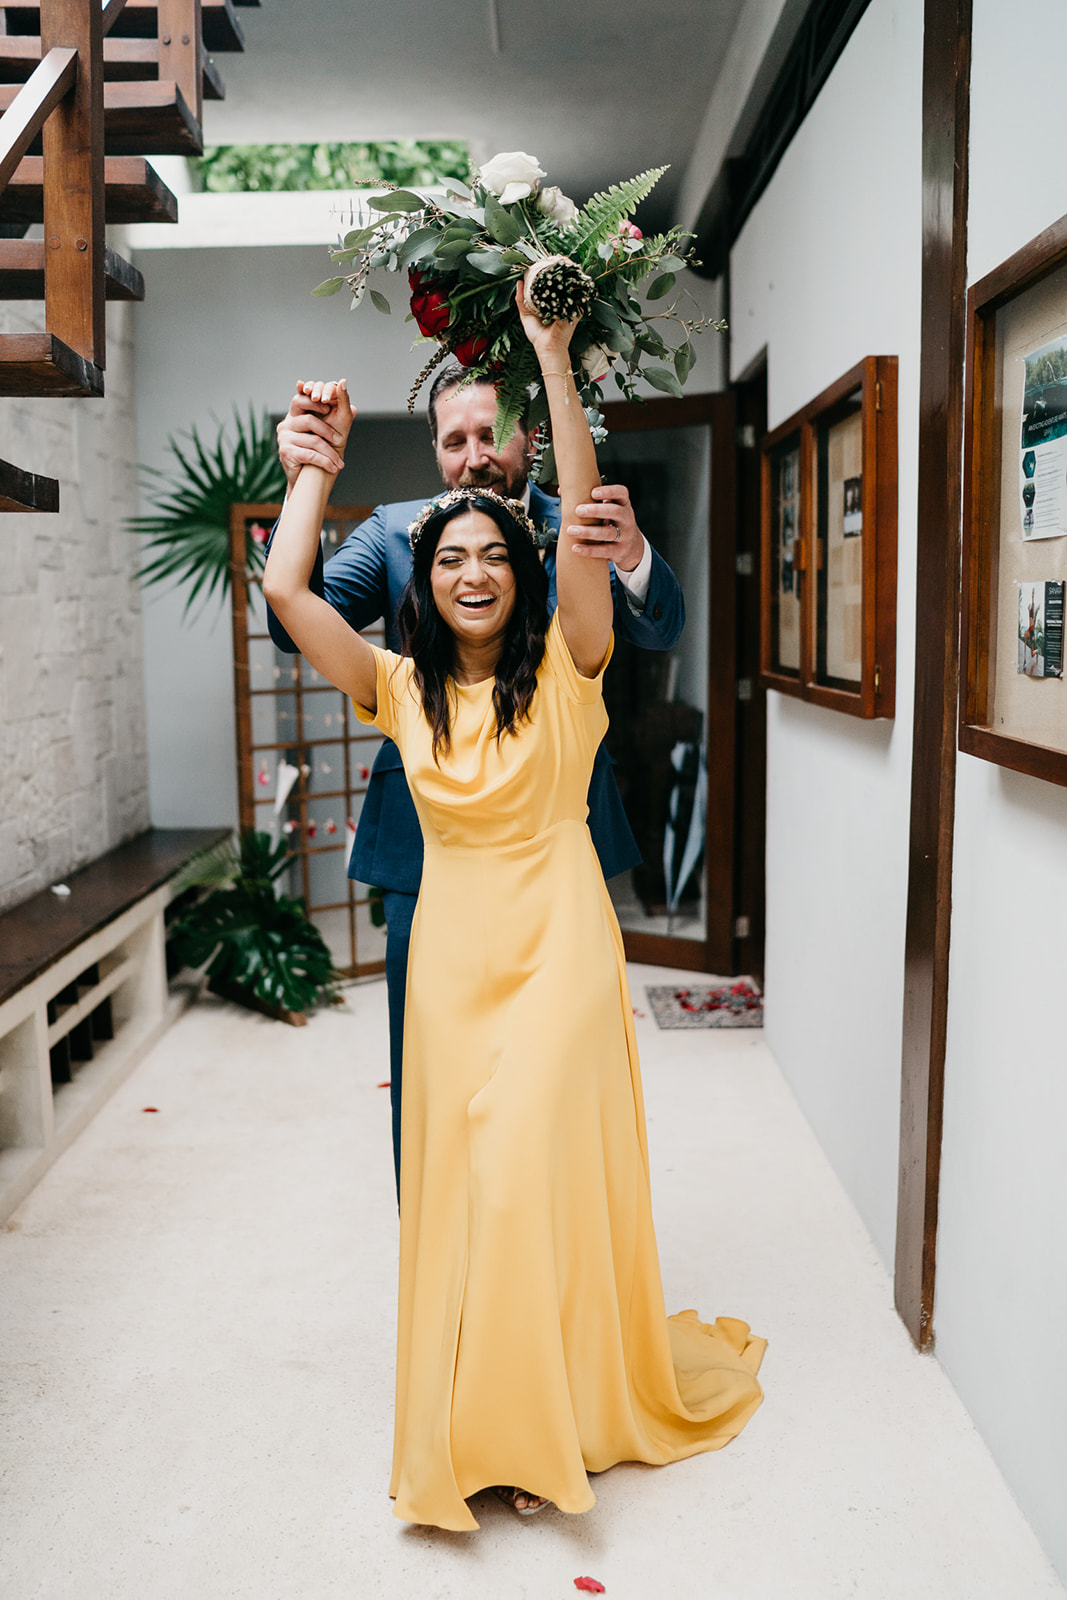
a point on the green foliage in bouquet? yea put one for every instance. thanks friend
(464, 252)
(188, 535)
(250, 936)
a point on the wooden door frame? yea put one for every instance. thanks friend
(946, 118)
(713, 953)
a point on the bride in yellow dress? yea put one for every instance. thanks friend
(533, 1343)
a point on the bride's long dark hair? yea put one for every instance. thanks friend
(428, 640)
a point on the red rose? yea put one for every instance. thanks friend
(471, 349)
(429, 306)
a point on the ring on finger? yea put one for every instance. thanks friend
(618, 533)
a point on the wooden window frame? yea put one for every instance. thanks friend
(875, 377)
(982, 534)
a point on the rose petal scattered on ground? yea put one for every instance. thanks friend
(149, 1108)
(384, 1084)
(590, 1585)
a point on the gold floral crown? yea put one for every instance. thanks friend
(454, 497)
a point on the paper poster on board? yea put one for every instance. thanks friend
(852, 526)
(1043, 443)
(1041, 629)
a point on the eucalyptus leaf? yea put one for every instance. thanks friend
(378, 301)
(607, 316)
(358, 237)
(418, 247)
(344, 255)
(500, 223)
(684, 361)
(660, 286)
(515, 258)
(454, 247)
(663, 379)
(330, 286)
(397, 200)
(457, 190)
(491, 262)
(670, 264)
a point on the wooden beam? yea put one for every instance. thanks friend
(22, 272)
(220, 29)
(26, 110)
(180, 50)
(133, 192)
(946, 77)
(41, 364)
(125, 61)
(110, 14)
(72, 143)
(141, 119)
(26, 491)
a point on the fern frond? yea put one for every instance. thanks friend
(599, 218)
(512, 394)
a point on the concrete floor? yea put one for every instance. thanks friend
(197, 1341)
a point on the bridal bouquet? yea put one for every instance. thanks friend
(464, 253)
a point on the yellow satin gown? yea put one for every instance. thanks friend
(533, 1344)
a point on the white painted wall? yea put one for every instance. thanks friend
(219, 327)
(73, 763)
(825, 272)
(1002, 1240)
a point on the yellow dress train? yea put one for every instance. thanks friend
(533, 1344)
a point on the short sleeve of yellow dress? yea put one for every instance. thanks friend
(526, 1239)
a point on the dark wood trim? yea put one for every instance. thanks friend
(717, 412)
(41, 364)
(22, 272)
(946, 115)
(133, 192)
(26, 491)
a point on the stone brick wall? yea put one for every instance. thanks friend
(73, 759)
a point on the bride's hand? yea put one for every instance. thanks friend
(551, 343)
(340, 413)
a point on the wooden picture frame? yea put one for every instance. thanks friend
(309, 724)
(828, 613)
(1015, 315)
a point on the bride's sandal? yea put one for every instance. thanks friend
(511, 1497)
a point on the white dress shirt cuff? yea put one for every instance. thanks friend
(636, 583)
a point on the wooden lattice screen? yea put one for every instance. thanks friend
(287, 712)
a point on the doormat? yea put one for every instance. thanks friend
(732, 1005)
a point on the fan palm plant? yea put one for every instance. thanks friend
(188, 534)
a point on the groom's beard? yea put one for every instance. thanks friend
(491, 478)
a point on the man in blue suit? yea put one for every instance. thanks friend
(364, 582)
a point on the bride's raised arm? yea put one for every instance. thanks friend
(319, 632)
(583, 583)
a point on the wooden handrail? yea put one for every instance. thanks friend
(112, 8)
(33, 105)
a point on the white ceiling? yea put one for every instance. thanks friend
(596, 89)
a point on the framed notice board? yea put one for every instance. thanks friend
(1013, 705)
(829, 567)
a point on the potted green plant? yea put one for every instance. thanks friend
(258, 946)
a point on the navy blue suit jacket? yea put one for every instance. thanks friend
(364, 582)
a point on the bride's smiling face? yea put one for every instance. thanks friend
(472, 580)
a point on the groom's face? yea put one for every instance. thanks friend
(464, 446)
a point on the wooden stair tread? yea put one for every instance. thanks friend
(141, 119)
(133, 192)
(22, 272)
(219, 26)
(125, 61)
(38, 933)
(41, 364)
(26, 491)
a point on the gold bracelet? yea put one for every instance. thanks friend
(568, 374)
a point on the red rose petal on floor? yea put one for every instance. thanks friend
(384, 1085)
(149, 1108)
(590, 1585)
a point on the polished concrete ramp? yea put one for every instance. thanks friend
(196, 1340)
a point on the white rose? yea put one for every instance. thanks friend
(512, 175)
(555, 204)
(596, 362)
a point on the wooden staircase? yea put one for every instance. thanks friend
(88, 88)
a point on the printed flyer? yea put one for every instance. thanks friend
(1041, 629)
(1043, 443)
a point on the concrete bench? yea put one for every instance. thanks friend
(83, 996)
